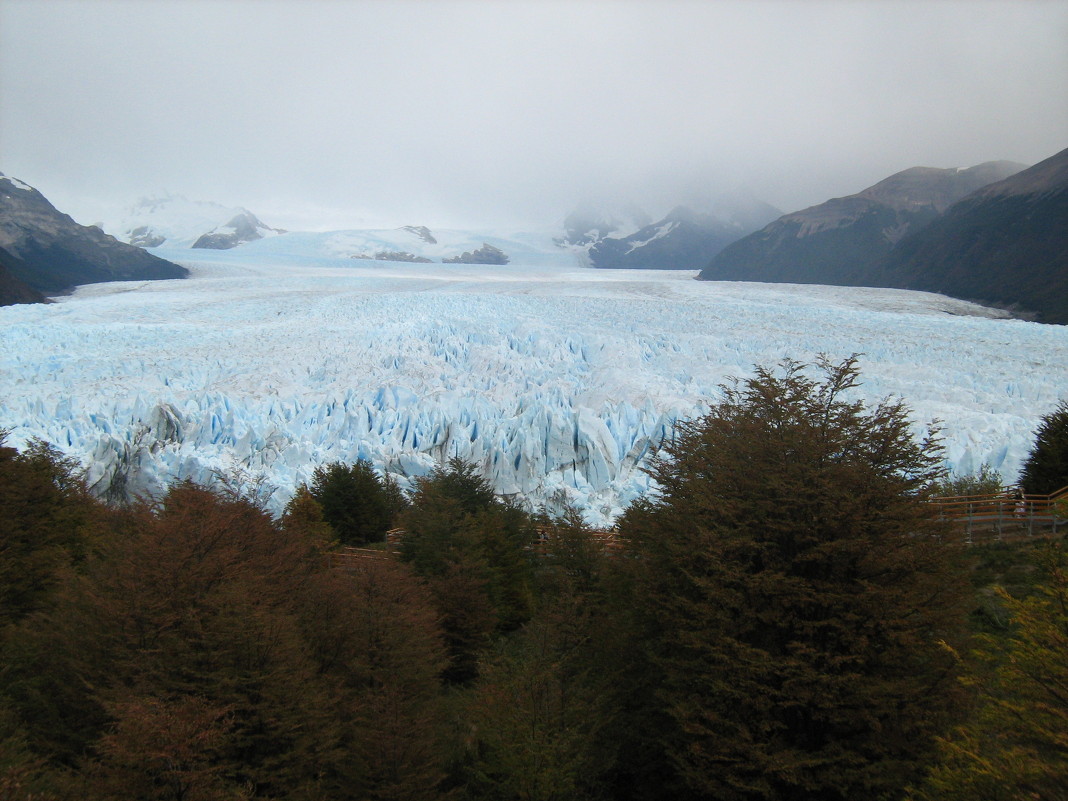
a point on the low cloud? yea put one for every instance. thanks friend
(479, 113)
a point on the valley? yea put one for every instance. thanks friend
(558, 381)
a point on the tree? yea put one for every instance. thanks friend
(533, 710)
(986, 481)
(162, 750)
(178, 651)
(572, 552)
(394, 675)
(793, 593)
(357, 504)
(46, 522)
(204, 650)
(303, 516)
(473, 549)
(1016, 746)
(1046, 468)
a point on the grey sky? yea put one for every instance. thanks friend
(328, 113)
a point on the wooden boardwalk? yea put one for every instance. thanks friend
(1002, 516)
(1005, 515)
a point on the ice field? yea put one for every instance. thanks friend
(557, 380)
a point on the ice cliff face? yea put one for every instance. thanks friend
(558, 382)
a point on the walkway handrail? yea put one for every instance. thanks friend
(1007, 505)
(1007, 500)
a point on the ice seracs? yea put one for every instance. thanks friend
(559, 382)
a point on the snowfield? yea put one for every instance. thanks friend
(559, 381)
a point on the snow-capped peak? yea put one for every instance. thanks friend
(16, 183)
(176, 220)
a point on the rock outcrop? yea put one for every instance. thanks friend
(487, 254)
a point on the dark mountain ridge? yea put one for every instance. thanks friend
(46, 251)
(1005, 245)
(840, 241)
(243, 227)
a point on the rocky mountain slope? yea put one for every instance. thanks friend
(243, 227)
(589, 223)
(1005, 244)
(47, 251)
(12, 290)
(840, 241)
(683, 240)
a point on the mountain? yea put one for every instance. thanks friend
(1005, 244)
(179, 222)
(417, 244)
(487, 254)
(625, 237)
(47, 251)
(839, 242)
(243, 227)
(684, 240)
(12, 290)
(590, 223)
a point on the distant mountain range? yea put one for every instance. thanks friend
(178, 222)
(685, 239)
(44, 252)
(996, 233)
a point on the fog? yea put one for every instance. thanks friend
(328, 114)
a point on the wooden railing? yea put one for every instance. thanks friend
(348, 557)
(607, 541)
(1006, 512)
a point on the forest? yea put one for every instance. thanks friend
(784, 619)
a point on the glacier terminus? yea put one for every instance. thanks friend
(557, 380)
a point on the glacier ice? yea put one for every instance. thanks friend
(558, 381)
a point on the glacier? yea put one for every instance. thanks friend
(558, 381)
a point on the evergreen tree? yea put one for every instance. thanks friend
(357, 504)
(1046, 468)
(533, 710)
(986, 481)
(793, 594)
(373, 629)
(47, 521)
(474, 550)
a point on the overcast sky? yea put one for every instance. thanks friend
(334, 113)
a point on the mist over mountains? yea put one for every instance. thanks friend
(994, 233)
(685, 239)
(838, 241)
(177, 221)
